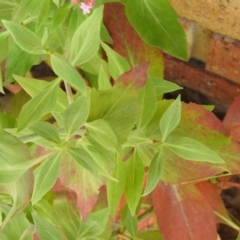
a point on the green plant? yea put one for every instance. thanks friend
(100, 159)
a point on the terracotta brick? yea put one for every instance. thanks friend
(224, 57)
(221, 16)
(219, 90)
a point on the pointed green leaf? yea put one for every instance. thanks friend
(7, 121)
(24, 9)
(193, 150)
(150, 235)
(154, 173)
(117, 64)
(102, 132)
(4, 47)
(103, 79)
(68, 73)
(12, 173)
(19, 62)
(25, 38)
(76, 115)
(17, 228)
(115, 189)
(45, 230)
(67, 214)
(83, 159)
(134, 181)
(39, 105)
(43, 13)
(47, 131)
(94, 225)
(33, 86)
(119, 107)
(86, 40)
(130, 222)
(148, 100)
(170, 118)
(103, 160)
(163, 86)
(45, 176)
(60, 16)
(45, 209)
(105, 36)
(161, 29)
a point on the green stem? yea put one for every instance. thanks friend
(228, 221)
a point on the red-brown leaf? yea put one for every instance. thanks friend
(232, 119)
(127, 42)
(212, 195)
(183, 213)
(136, 77)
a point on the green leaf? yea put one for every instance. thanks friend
(105, 35)
(60, 16)
(170, 118)
(163, 86)
(12, 173)
(68, 73)
(117, 64)
(103, 160)
(115, 189)
(43, 13)
(67, 214)
(33, 86)
(148, 100)
(39, 105)
(25, 38)
(19, 62)
(6, 121)
(45, 230)
(4, 47)
(86, 40)
(193, 150)
(119, 107)
(150, 235)
(56, 2)
(45, 209)
(94, 225)
(45, 176)
(24, 9)
(161, 28)
(9, 157)
(102, 132)
(6, 9)
(134, 181)
(93, 66)
(130, 222)
(17, 228)
(47, 131)
(76, 115)
(84, 160)
(3, 36)
(154, 173)
(103, 79)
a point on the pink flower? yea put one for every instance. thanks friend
(75, 1)
(86, 6)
